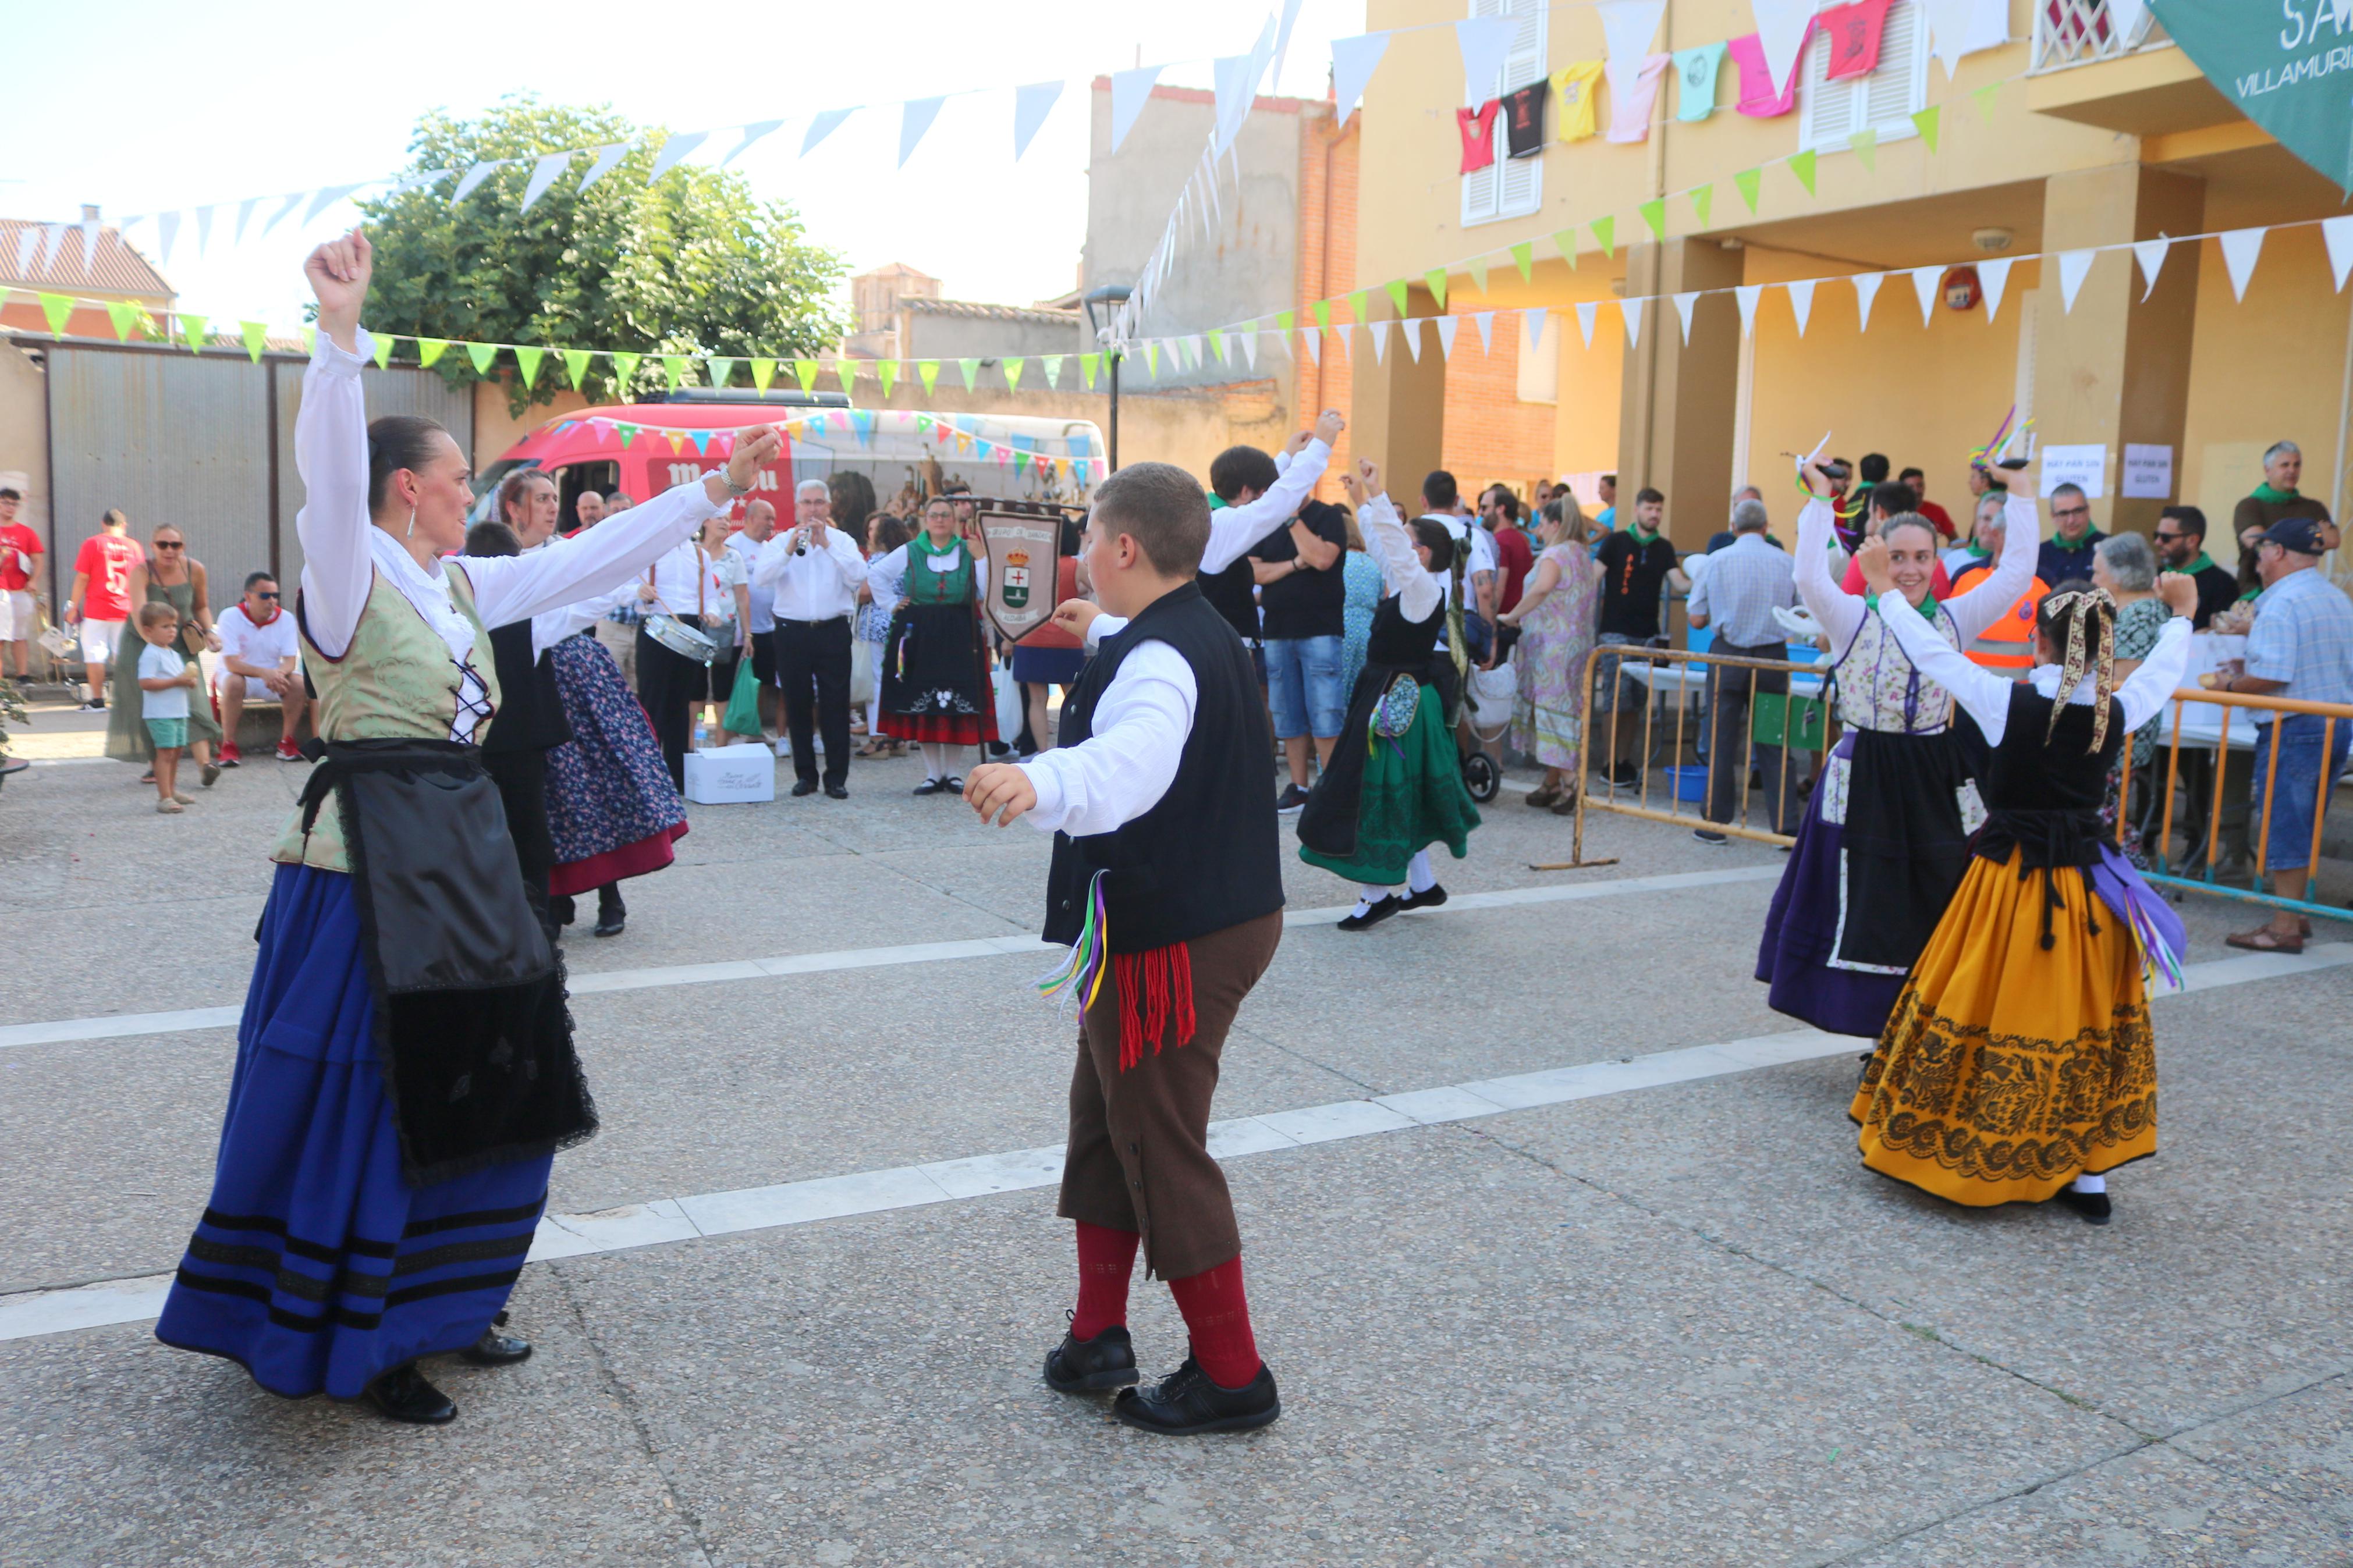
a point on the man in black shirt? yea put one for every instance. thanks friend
(1303, 600)
(1638, 563)
(2181, 545)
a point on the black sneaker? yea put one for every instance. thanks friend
(1188, 1404)
(1092, 1366)
(1430, 898)
(94, 705)
(1290, 800)
(1390, 904)
(2093, 1206)
(1625, 775)
(1709, 836)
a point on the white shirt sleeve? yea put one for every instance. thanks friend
(846, 558)
(1234, 529)
(1839, 612)
(552, 627)
(1121, 771)
(1982, 605)
(887, 579)
(1983, 694)
(508, 588)
(331, 453)
(1391, 548)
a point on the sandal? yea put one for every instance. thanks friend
(2263, 939)
(1542, 795)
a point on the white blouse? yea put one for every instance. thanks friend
(1987, 695)
(886, 579)
(1841, 614)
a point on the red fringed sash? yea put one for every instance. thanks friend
(1155, 992)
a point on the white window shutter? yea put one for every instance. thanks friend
(1827, 106)
(1898, 89)
(1510, 187)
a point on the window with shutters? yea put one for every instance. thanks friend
(1884, 101)
(1511, 187)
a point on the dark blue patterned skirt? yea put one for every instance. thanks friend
(608, 789)
(316, 1267)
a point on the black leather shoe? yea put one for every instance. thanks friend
(1389, 905)
(953, 784)
(404, 1396)
(2093, 1206)
(561, 910)
(931, 786)
(804, 787)
(495, 1349)
(836, 792)
(612, 916)
(1430, 898)
(1090, 1366)
(1188, 1402)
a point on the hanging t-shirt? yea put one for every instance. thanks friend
(1477, 127)
(1523, 118)
(1695, 70)
(1577, 86)
(1630, 112)
(1760, 97)
(1854, 32)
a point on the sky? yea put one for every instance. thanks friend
(170, 105)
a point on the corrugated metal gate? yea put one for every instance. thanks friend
(205, 442)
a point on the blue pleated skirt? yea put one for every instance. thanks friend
(316, 1267)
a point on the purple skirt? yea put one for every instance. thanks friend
(1801, 933)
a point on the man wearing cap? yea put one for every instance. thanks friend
(2301, 648)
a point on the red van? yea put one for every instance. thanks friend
(640, 449)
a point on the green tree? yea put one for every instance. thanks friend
(691, 265)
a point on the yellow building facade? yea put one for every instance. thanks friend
(2067, 137)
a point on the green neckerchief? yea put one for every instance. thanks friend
(1634, 531)
(2265, 493)
(1217, 501)
(2081, 541)
(1980, 550)
(2204, 563)
(1927, 611)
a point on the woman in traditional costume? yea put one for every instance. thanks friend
(1393, 784)
(2019, 1064)
(935, 666)
(405, 1068)
(1885, 838)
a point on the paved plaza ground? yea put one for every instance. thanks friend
(1556, 1237)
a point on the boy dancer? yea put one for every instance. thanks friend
(1166, 881)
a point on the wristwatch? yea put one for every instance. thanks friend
(733, 490)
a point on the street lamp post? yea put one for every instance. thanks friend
(1110, 297)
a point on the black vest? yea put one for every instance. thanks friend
(531, 711)
(1207, 855)
(2044, 795)
(1231, 593)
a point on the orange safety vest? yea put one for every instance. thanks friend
(2007, 645)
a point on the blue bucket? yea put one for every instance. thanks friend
(1690, 783)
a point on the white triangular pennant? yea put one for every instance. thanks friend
(607, 157)
(1353, 62)
(915, 117)
(1926, 281)
(88, 243)
(1250, 348)
(1746, 296)
(466, 184)
(1412, 325)
(1130, 92)
(1964, 26)
(1586, 311)
(2073, 266)
(1631, 311)
(1628, 26)
(283, 213)
(51, 238)
(752, 133)
(544, 173)
(243, 211)
(1282, 36)
(167, 225)
(1995, 276)
(675, 150)
(1683, 303)
(1801, 303)
(28, 247)
(1866, 292)
(1485, 321)
(328, 196)
(204, 228)
(1235, 85)
(1447, 327)
(1380, 340)
(1532, 322)
(1485, 43)
(1314, 338)
(1032, 104)
(1781, 27)
(822, 124)
(2337, 233)
(2240, 247)
(2126, 16)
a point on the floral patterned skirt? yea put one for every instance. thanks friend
(611, 807)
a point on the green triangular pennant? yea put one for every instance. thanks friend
(1983, 98)
(845, 370)
(58, 308)
(1478, 270)
(1088, 366)
(1052, 365)
(1020, 460)
(763, 371)
(1802, 165)
(624, 370)
(929, 370)
(191, 328)
(1012, 369)
(674, 367)
(482, 355)
(886, 371)
(804, 372)
(626, 432)
(575, 365)
(1218, 343)
(1285, 320)
(1397, 288)
(429, 350)
(971, 369)
(1866, 145)
(1703, 203)
(1152, 358)
(383, 350)
(1748, 181)
(1323, 310)
(1563, 240)
(1523, 256)
(722, 370)
(125, 316)
(257, 338)
(1929, 122)
(1605, 231)
(1654, 215)
(1435, 278)
(528, 361)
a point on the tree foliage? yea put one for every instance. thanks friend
(690, 265)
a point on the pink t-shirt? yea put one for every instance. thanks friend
(1759, 98)
(1630, 112)
(108, 560)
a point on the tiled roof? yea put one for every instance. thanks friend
(978, 312)
(116, 266)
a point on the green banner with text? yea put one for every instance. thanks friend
(2287, 65)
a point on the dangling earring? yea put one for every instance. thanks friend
(412, 524)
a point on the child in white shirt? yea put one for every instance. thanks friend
(165, 681)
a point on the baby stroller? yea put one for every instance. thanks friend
(1487, 697)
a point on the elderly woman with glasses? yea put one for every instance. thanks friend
(170, 577)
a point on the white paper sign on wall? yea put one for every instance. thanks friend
(2083, 466)
(2148, 472)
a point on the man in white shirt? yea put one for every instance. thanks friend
(759, 527)
(1441, 501)
(678, 584)
(812, 575)
(260, 662)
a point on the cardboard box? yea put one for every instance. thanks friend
(725, 775)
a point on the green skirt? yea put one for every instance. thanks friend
(1412, 796)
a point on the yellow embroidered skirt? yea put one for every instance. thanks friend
(2007, 1069)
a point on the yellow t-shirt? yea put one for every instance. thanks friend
(1579, 88)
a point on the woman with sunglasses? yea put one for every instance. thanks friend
(170, 577)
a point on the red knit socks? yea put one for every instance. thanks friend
(1217, 1314)
(1106, 1258)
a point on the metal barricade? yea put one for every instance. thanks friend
(1663, 671)
(2201, 872)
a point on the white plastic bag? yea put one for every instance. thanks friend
(1009, 703)
(1489, 693)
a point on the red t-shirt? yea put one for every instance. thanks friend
(1938, 583)
(16, 572)
(1477, 127)
(108, 560)
(1938, 515)
(1515, 560)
